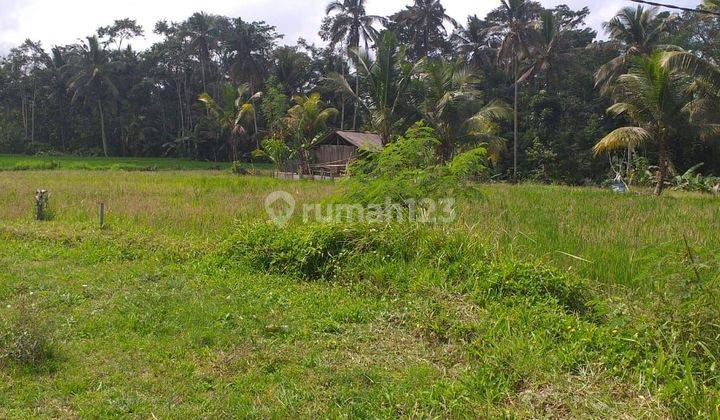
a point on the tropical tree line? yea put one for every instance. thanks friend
(536, 87)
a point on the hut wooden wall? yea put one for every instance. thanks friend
(334, 154)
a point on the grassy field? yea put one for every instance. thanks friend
(540, 301)
(39, 163)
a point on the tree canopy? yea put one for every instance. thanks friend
(531, 84)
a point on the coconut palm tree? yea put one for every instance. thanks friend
(245, 103)
(203, 34)
(638, 31)
(351, 25)
(651, 97)
(514, 18)
(308, 122)
(387, 77)
(453, 106)
(475, 42)
(704, 88)
(292, 68)
(426, 19)
(233, 113)
(547, 51)
(92, 80)
(59, 87)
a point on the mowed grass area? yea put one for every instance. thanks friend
(39, 163)
(140, 320)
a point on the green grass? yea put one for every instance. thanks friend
(36, 163)
(539, 302)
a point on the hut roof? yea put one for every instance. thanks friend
(365, 141)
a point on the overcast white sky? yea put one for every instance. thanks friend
(56, 22)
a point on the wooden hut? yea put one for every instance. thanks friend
(333, 154)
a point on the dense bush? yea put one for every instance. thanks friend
(409, 168)
(695, 182)
(470, 165)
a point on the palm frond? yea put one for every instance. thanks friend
(622, 138)
(692, 65)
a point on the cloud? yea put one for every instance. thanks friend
(56, 22)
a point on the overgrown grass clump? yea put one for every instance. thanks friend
(25, 339)
(350, 252)
(512, 322)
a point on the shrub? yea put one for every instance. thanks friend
(277, 151)
(415, 150)
(336, 252)
(238, 169)
(307, 251)
(470, 165)
(408, 169)
(25, 340)
(695, 182)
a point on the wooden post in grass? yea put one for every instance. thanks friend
(101, 214)
(41, 203)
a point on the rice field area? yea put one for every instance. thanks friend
(538, 301)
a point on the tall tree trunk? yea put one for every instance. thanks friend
(516, 117)
(32, 117)
(61, 124)
(664, 164)
(7, 131)
(181, 110)
(357, 97)
(25, 116)
(342, 111)
(102, 129)
(188, 104)
(342, 98)
(257, 137)
(202, 71)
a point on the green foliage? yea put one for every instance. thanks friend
(491, 316)
(239, 168)
(409, 169)
(406, 169)
(470, 165)
(342, 252)
(274, 105)
(694, 181)
(414, 150)
(277, 150)
(25, 338)
(312, 252)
